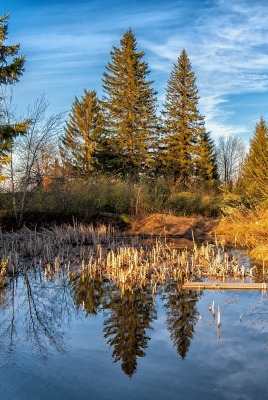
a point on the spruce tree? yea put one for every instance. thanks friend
(185, 128)
(256, 168)
(11, 69)
(206, 160)
(129, 108)
(10, 72)
(82, 133)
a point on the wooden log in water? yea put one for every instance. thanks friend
(225, 286)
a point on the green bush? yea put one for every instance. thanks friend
(84, 198)
(189, 203)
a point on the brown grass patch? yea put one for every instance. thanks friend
(247, 228)
(170, 225)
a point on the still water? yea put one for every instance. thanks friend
(85, 339)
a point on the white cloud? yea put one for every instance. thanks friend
(228, 51)
(227, 42)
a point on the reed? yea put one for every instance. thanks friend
(103, 252)
(3, 272)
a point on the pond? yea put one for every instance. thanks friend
(83, 338)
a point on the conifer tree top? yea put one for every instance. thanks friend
(9, 72)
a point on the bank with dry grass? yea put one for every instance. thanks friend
(248, 228)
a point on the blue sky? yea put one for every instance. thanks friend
(67, 45)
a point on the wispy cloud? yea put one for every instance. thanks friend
(67, 47)
(228, 51)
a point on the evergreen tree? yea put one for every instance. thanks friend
(206, 160)
(11, 69)
(186, 141)
(129, 108)
(9, 72)
(256, 168)
(82, 133)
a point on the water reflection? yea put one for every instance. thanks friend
(38, 311)
(182, 316)
(127, 317)
(88, 293)
(34, 312)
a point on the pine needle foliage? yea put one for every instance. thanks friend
(206, 160)
(256, 168)
(11, 69)
(10, 72)
(129, 105)
(82, 133)
(188, 148)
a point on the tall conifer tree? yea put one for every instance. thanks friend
(129, 108)
(82, 133)
(184, 127)
(206, 160)
(256, 168)
(11, 69)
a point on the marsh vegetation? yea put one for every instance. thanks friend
(129, 261)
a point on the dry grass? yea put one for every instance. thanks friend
(3, 272)
(166, 224)
(247, 228)
(102, 252)
(65, 244)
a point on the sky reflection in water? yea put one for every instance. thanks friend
(86, 340)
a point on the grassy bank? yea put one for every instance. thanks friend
(140, 207)
(247, 227)
(91, 199)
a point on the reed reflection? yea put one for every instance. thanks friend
(88, 293)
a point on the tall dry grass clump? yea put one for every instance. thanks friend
(246, 227)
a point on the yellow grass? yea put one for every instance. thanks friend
(101, 252)
(247, 228)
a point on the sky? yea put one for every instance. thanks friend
(67, 45)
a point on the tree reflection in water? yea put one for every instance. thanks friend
(36, 312)
(128, 313)
(127, 317)
(182, 315)
(88, 293)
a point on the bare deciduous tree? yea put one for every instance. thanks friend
(32, 155)
(231, 153)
